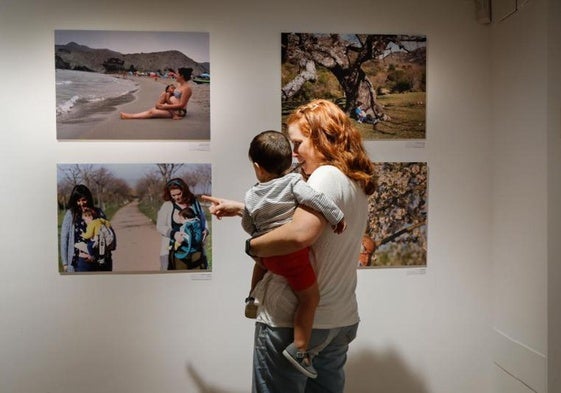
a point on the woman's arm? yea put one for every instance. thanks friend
(65, 229)
(163, 222)
(182, 102)
(302, 231)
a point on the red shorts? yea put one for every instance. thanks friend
(295, 267)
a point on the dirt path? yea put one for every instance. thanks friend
(138, 242)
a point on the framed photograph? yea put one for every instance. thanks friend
(379, 80)
(396, 234)
(132, 85)
(133, 218)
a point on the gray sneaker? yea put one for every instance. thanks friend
(302, 361)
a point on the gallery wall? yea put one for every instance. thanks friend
(422, 330)
(554, 195)
(519, 254)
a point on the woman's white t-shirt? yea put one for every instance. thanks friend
(334, 258)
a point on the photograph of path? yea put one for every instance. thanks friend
(103, 78)
(141, 205)
(379, 80)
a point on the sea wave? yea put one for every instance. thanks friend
(77, 91)
(66, 106)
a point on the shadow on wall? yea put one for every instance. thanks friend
(204, 387)
(367, 372)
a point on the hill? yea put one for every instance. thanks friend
(73, 56)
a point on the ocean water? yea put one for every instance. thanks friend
(84, 95)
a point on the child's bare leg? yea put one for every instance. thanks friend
(258, 274)
(308, 300)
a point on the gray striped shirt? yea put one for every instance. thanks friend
(271, 204)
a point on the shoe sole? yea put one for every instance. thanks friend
(298, 366)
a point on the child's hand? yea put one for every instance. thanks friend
(340, 227)
(178, 237)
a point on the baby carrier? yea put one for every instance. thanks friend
(104, 243)
(191, 250)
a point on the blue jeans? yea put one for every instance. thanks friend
(272, 372)
(82, 265)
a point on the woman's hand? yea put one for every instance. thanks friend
(87, 257)
(223, 207)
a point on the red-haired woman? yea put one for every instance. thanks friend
(334, 160)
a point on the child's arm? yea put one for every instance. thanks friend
(89, 232)
(307, 196)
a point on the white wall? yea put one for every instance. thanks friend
(520, 198)
(422, 330)
(554, 196)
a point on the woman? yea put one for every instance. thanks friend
(335, 162)
(177, 197)
(73, 225)
(177, 108)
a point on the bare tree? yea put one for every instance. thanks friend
(99, 180)
(198, 178)
(149, 187)
(344, 58)
(168, 171)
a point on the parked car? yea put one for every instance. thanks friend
(202, 78)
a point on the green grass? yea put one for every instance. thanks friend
(408, 118)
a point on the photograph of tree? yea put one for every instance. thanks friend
(396, 234)
(132, 85)
(378, 80)
(133, 218)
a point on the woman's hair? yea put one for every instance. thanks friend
(272, 151)
(78, 192)
(185, 72)
(178, 184)
(332, 134)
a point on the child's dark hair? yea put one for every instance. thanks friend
(187, 213)
(272, 151)
(169, 87)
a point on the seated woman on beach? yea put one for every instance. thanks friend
(176, 108)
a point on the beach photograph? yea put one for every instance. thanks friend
(379, 80)
(396, 233)
(130, 85)
(133, 218)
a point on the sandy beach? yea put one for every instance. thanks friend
(108, 124)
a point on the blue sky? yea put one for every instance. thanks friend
(191, 44)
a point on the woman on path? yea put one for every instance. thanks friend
(73, 226)
(177, 196)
